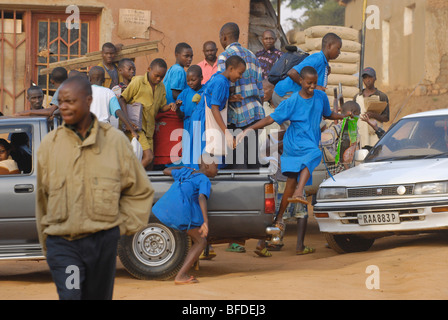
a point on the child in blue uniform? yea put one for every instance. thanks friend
(331, 49)
(176, 78)
(216, 94)
(186, 103)
(301, 152)
(194, 191)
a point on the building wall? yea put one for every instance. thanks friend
(173, 21)
(436, 49)
(407, 53)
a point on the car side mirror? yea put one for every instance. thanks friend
(360, 155)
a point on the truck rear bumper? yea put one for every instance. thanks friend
(225, 226)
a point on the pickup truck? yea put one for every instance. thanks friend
(241, 207)
(400, 188)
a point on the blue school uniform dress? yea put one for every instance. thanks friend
(301, 140)
(216, 92)
(175, 79)
(318, 61)
(179, 206)
(188, 107)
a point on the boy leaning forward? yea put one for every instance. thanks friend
(153, 98)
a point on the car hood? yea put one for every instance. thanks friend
(391, 173)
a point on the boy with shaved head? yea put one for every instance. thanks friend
(331, 49)
(105, 104)
(90, 189)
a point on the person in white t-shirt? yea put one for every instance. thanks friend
(104, 103)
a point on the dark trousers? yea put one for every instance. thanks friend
(84, 269)
(245, 156)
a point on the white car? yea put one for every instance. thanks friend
(400, 188)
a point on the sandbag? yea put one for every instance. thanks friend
(345, 57)
(344, 32)
(347, 92)
(344, 79)
(344, 68)
(347, 45)
(299, 37)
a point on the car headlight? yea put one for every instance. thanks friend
(431, 188)
(331, 193)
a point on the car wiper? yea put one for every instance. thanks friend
(431, 156)
(385, 159)
(410, 157)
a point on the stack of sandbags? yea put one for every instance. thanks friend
(344, 69)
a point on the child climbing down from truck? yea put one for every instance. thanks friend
(301, 152)
(184, 207)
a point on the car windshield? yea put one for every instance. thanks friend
(413, 138)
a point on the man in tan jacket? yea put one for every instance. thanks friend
(90, 190)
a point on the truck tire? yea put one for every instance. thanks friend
(155, 252)
(347, 243)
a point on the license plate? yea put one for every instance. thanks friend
(365, 219)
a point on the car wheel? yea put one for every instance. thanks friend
(346, 243)
(155, 252)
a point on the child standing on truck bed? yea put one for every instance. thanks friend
(184, 207)
(214, 102)
(301, 153)
(186, 103)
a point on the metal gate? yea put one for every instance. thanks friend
(54, 42)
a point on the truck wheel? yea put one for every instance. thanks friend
(155, 252)
(346, 243)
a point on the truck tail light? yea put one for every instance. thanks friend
(321, 215)
(269, 198)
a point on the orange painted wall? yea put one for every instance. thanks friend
(174, 21)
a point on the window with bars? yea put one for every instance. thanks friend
(32, 39)
(55, 42)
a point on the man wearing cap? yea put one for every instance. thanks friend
(370, 92)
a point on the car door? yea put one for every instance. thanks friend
(17, 191)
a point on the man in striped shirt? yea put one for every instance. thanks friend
(246, 97)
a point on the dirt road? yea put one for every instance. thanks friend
(410, 267)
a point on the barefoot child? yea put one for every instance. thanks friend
(184, 207)
(301, 153)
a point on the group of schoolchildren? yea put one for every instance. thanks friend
(203, 103)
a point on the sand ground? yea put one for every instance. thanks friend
(410, 267)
